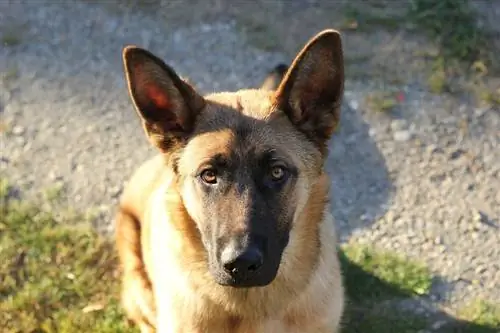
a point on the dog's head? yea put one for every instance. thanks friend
(244, 162)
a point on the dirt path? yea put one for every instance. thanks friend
(423, 180)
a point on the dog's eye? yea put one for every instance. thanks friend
(209, 176)
(278, 173)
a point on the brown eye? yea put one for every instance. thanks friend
(209, 176)
(277, 173)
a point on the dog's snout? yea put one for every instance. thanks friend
(242, 262)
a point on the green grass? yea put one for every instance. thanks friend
(11, 39)
(401, 277)
(381, 101)
(12, 34)
(365, 16)
(51, 271)
(377, 281)
(373, 278)
(453, 24)
(59, 275)
(463, 46)
(438, 78)
(482, 313)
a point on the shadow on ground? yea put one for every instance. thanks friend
(361, 185)
(374, 305)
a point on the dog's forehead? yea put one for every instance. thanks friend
(234, 123)
(254, 104)
(244, 114)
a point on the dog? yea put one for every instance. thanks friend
(228, 229)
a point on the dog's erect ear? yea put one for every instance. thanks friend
(167, 105)
(312, 89)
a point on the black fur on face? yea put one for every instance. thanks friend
(244, 210)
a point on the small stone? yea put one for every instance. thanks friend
(206, 28)
(20, 141)
(398, 125)
(402, 136)
(480, 269)
(456, 154)
(479, 112)
(18, 130)
(479, 217)
(115, 191)
(4, 160)
(351, 138)
(353, 104)
(470, 187)
(433, 149)
(438, 324)
(390, 216)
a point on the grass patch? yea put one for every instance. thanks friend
(375, 275)
(12, 34)
(463, 46)
(381, 101)
(54, 193)
(373, 278)
(376, 281)
(438, 79)
(487, 96)
(482, 313)
(55, 276)
(358, 320)
(367, 15)
(11, 39)
(453, 24)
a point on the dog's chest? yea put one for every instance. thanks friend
(232, 325)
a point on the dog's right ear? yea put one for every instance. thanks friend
(311, 92)
(167, 105)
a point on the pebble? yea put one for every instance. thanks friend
(402, 136)
(479, 217)
(456, 154)
(353, 104)
(399, 124)
(18, 130)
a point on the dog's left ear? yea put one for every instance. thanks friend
(312, 89)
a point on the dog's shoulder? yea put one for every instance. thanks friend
(144, 181)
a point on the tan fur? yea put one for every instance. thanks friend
(166, 284)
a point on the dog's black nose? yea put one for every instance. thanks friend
(242, 263)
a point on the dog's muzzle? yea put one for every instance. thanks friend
(242, 264)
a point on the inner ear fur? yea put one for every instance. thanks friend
(166, 104)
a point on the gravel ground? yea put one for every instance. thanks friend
(423, 181)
